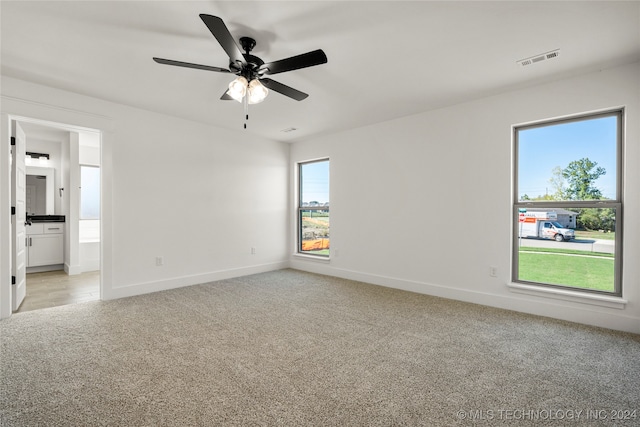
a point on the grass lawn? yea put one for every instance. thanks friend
(583, 234)
(323, 252)
(565, 251)
(587, 272)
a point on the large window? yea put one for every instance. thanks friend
(313, 208)
(568, 203)
(89, 192)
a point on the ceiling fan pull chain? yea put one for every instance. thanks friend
(246, 111)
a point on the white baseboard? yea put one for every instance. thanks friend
(72, 270)
(43, 268)
(610, 318)
(179, 282)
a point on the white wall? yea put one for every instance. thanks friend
(401, 192)
(89, 155)
(201, 200)
(89, 253)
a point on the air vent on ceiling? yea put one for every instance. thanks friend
(539, 58)
(287, 130)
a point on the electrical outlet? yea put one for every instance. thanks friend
(493, 271)
(159, 261)
(253, 251)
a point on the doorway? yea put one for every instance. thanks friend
(56, 288)
(63, 263)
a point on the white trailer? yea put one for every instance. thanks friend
(543, 225)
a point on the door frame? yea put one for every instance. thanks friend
(68, 119)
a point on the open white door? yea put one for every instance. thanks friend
(18, 235)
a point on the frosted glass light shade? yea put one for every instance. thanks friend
(238, 88)
(257, 92)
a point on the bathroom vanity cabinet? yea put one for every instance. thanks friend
(45, 244)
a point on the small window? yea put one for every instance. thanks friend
(567, 210)
(89, 192)
(313, 208)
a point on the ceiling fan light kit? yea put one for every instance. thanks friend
(250, 86)
(238, 88)
(256, 92)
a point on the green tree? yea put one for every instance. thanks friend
(545, 197)
(557, 182)
(597, 219)
(580, 176)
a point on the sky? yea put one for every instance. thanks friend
(315, 182)
(541, 149)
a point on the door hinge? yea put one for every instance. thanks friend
(13, 210)
(13, 140)
(13, 280)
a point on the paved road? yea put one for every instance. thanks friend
(593, 245)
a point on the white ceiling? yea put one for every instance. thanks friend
(386, 59)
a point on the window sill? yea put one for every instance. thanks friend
(568, 295)
(315, 258)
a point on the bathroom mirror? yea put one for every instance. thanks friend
(39, 190)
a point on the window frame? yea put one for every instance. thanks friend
(300, 208)
(616, 203)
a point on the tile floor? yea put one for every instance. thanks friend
(54, 288)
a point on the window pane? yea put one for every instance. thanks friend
(314, 232)
(567, 203)
(314, 183)
(568, 161)
(313, 209)
(89, 192)
(551, 252)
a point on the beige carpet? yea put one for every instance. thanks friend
(292, 348)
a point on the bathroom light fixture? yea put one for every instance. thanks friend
(41, 156)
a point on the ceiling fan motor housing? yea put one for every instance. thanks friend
(247, 44)
(253, 63)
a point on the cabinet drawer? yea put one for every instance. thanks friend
(36, 228)
(54, 228)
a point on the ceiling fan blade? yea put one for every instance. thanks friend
(226, 97)
(190, 65)
(224, 37)
(304, 60)
(284, 89)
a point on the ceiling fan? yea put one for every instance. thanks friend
(251, 85)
